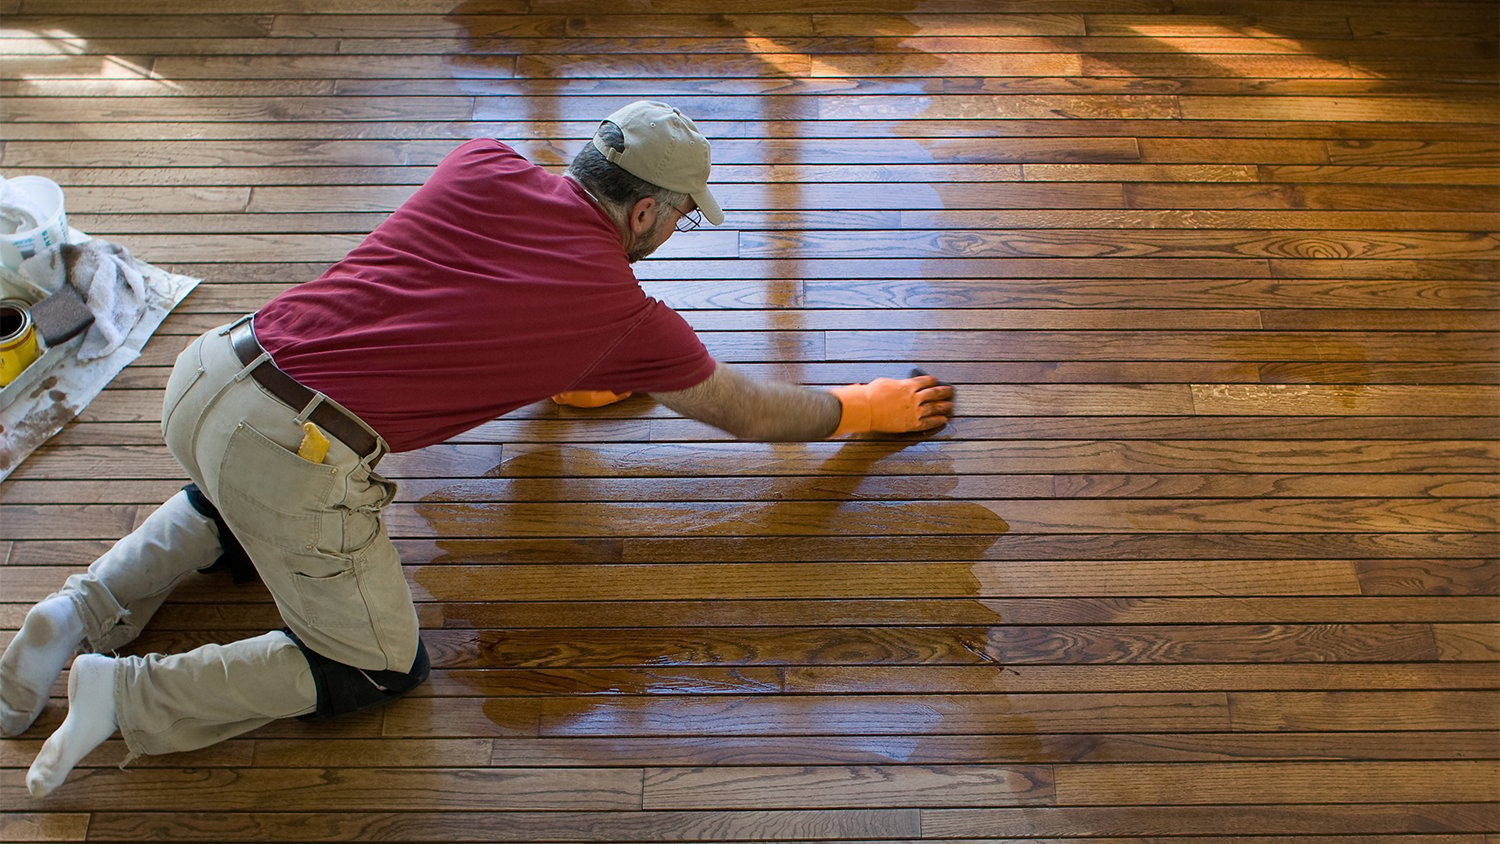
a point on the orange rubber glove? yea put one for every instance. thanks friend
(892, 406)
(589, 398)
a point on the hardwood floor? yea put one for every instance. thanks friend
(1210, 554)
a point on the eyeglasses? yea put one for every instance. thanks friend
(687, 220)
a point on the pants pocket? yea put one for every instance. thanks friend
(329, 593)
(269, 494)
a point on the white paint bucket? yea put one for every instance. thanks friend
(16, 247)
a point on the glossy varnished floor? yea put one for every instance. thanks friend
(1210, 554)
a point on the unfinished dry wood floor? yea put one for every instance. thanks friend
(1210, 555)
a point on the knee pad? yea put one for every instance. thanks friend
(343, 688)
(233, 557)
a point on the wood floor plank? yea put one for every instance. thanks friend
(1149, 644)
(781, 131)
(877, 487)
(1379, 710)
(733, 337)
(138, 223)
(1349, 245)
(1186, 25)
(241, 25)
(1109, 345)
(1476, 110)
(1381, 174)
(1078, 785)
(991, 519)
(852, 459)
(1277, 399)
(1338, 819)
(509, 825)
(1385, 563)
(194, 610)
(581, 74)
(1279, 782)
(780, 160)
(1125, 678)
(1323, 196)
(753, 715)
(1468, 641)
(47, 826)
(370, 788)
(235, 297)
(927, 518)
(900, 715)
(848, 786)
(1134, 54)
(34, 579)
(700, 826)
(863, 197)
(870, 750)
(459, 581)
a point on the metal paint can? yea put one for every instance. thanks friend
(18, 344)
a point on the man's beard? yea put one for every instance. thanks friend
(638, 250)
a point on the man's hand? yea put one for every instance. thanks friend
(589, 398)
(894, 406)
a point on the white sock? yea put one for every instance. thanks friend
(91, 719)
(48, 638)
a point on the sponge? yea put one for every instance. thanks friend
(61, 316)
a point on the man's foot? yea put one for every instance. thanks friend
(48, 638)
(91, 719)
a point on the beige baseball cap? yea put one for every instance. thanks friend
(664, 147)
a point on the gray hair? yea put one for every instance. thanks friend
(611, 184)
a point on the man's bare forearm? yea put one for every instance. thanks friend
(763, 411)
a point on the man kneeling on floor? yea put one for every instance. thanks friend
(496, 285)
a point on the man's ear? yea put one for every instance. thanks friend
(642, 215)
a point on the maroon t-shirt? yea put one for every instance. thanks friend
(495, 285)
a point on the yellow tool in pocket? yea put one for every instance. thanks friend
(314, 447)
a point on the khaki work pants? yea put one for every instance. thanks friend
(316, 537)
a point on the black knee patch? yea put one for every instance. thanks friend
(343, 688)
(234, 557)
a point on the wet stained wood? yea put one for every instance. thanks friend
(1209, 551)
(513, 825)
(853, 459)
(1003, 646)
(1082, 784)
(941, 750)
(920, 518)
(749, 221)
(737, 337)
(884, 294)
(147, 377)
(194, 610)
(903, 579)
(898, 487)
(797, 715)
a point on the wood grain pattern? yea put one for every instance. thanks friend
(1209, 552)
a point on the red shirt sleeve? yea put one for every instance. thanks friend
(660, 353)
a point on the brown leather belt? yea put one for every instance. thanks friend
(285, 387)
